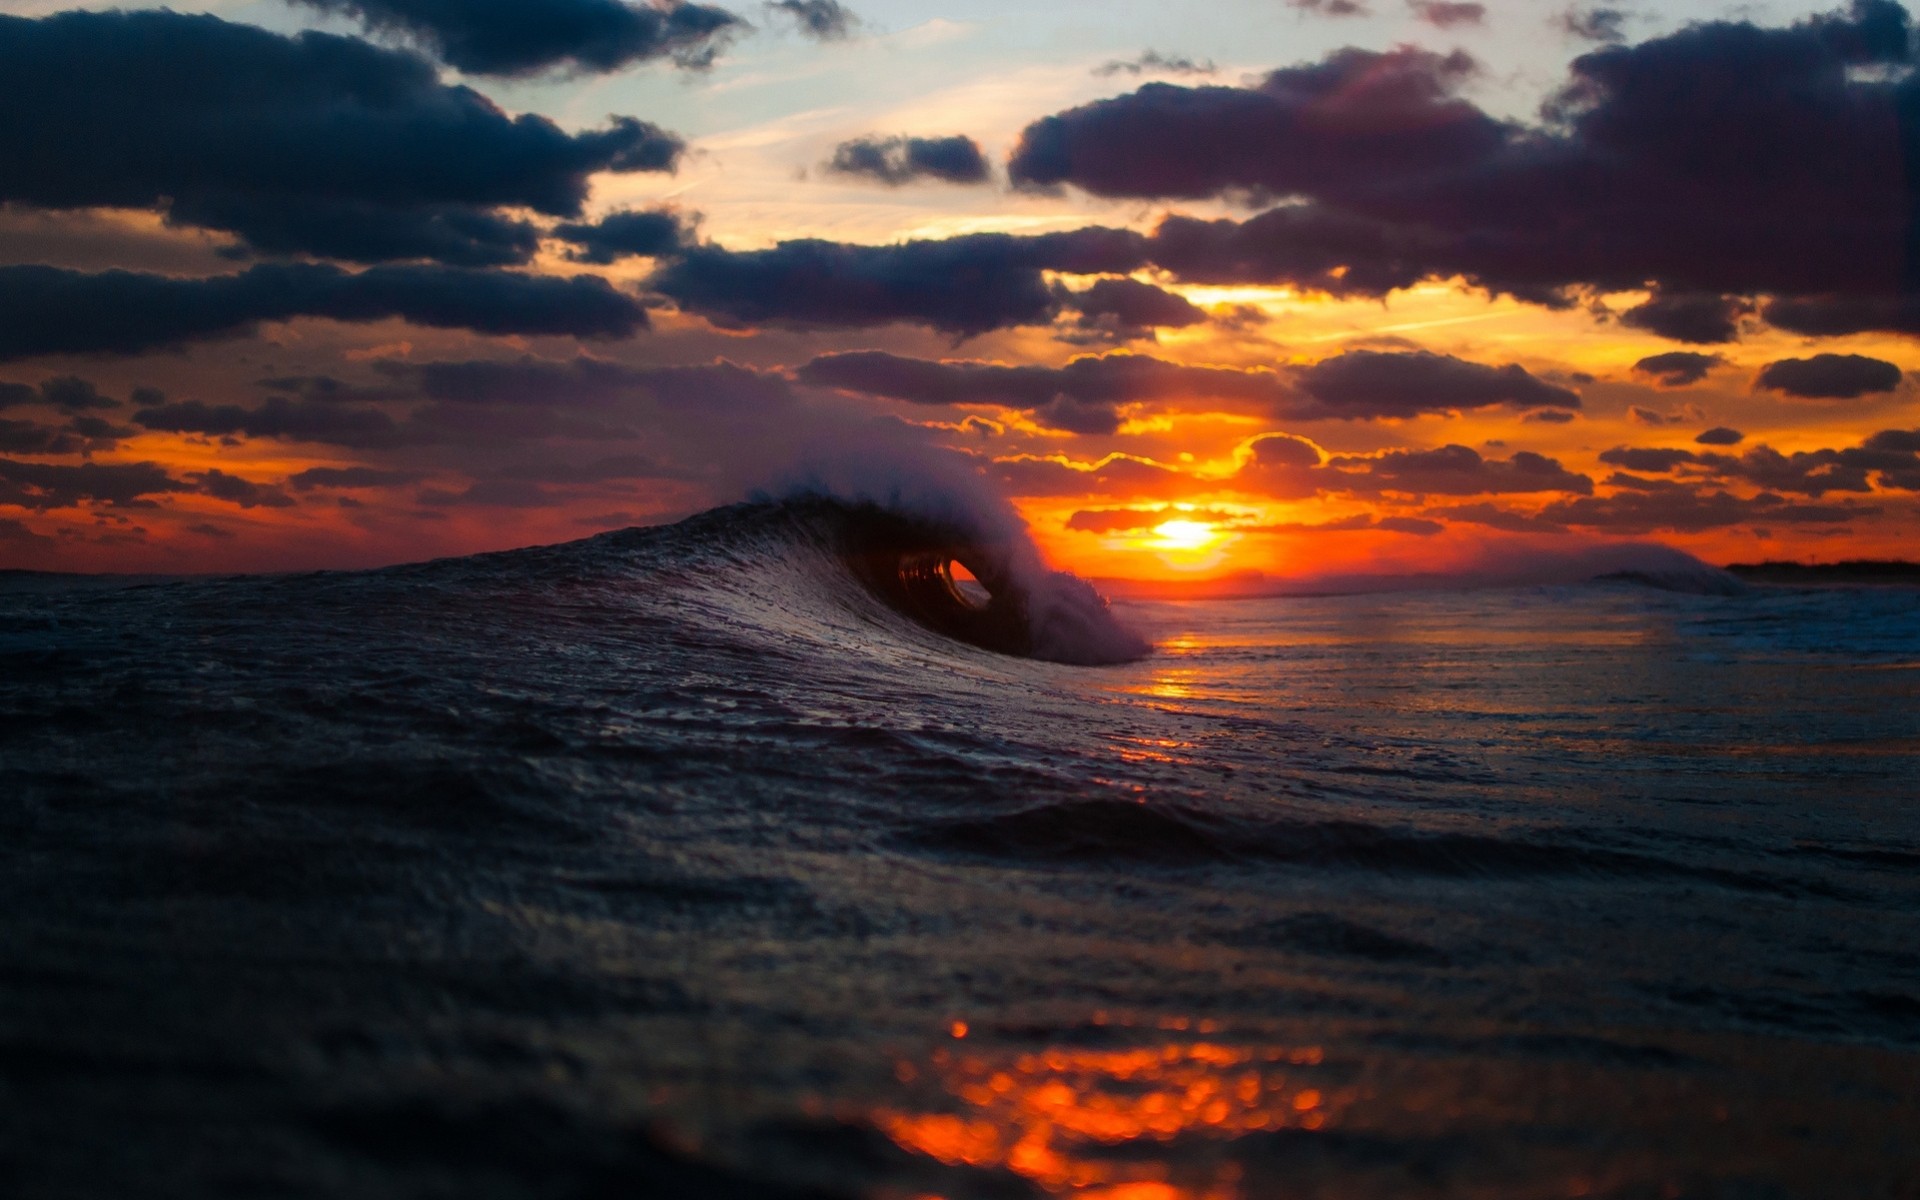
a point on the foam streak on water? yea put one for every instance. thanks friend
(684, 862)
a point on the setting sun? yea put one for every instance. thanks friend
(1184, 535)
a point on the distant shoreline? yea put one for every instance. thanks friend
(1857, 571)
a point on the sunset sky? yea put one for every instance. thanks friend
(1288, 286)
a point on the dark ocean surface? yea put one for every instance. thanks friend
(684, 862)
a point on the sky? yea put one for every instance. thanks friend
(1286, 287)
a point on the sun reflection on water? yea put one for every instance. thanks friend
(1086, 1122)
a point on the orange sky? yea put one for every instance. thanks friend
(1166, 489)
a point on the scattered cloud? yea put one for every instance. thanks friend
(901, 159)
(524, 39)
(1679, 368)
(1829, 377)
(1448, 14)
(311, 144)
(823, 20)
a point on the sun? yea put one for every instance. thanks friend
(1184, 535)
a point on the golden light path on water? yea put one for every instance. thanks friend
(1086, 1121)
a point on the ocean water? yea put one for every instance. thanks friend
(742, 859)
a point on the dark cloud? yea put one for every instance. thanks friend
(43, 486)
(1155, 63)
(31, 437)
(1454, 471)
(1698, 317)
(901, 159)
(235, 490)
(350, 478)
(1355, 117)
(279, 418)
(70, 393)
(1131, 520)
(18, 533)
(526, 38)
(1448, 14)
(1084, 396)
(1636, 459)
(1891, 458)
(1838, 316)
(46, 310)
(1323, 250)
(827, 20)
(1678, 368)
(963, 286)
(1331, 8)
(314, 143)
(1417, 526)
(1723, 161)
(1367, 384)
(1128, 308)
(1287, 467)
(1358, 385)
(1115, 475)
(649, 233)
(314, 387)
(1680, 510)
(592, 383)
(1720, 435)
(1649, 417)
(1829, 377)
(1595, 24)
(15, 394)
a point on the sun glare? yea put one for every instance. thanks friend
(1184, 535)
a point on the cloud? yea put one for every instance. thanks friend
(1698, 317)
(278, 418)
(1720, 162)
(1287, 467)
(19, 534)
(44, 486)
(1720, 435)
(1678, 368)
(1595, 24)
(1829, 377)
(1417, 526)
(1838, 316)
(1684, 511)
(1087, 393)
(1358, 385)
(1368, 384)
(963, 286)
(48, 310)
(1132, 520)
(307, 144)
(1114, 475)
(1656, 461)
(527, 38)
(901, 159)
(31, 437)
(350, 478)
(1455, 471)
(1155, 63)
(595, 384)
(1358, 115)
(1890, 458)
(825, 20)
(1448, 14)
(1128, 308)
(235, 490)
(1332, 8)
(649, 233)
